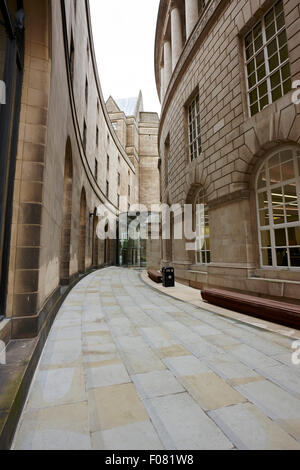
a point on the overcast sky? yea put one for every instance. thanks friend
(124, 34)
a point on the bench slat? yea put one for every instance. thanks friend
(266, 309)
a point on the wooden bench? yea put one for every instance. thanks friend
(155, 276)
(272, 310)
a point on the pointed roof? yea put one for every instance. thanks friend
(131, 106)
(112, 106)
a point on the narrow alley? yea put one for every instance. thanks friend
(127, 367)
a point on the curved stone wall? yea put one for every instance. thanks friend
(65, 139)
(211, 65)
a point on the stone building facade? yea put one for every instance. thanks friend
(69, 158)
(229, 140)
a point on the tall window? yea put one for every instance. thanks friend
(72, 57)
(97, 136)
(167, 161)
(203, 253)
(195, 143)
(86, 91)
(107, 163)
(84, 139)
(267, 60)
(96, 170)
(278, 195)
(107, 189)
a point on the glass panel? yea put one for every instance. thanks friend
(263, 200)
(264, 218)
(286, 72)
(267, 257)
(282, 39)
(278, 8)
(262, 180)
(284, 200)
(269, 17)
(266, 238)
(249, 52)
(294, 236)
(272, 47)
(277, 196)
(271, 30)
(290, 194)
(258, 43)
(280, 21)
(264, 102)
(292, 214)
(253, 96)
(260, 59)
(295, 257)
(275, 80)
(284, 54)
(280, 237)
(282, 257)
(248, 39)
(277, 93)
(286, 155)
(274, 62)
(254, 109)
(278, 215)
(263, 89)
(274, 161)
(252, 80)
(261, 72)
(257, 31)
(287, 86)
(288, 172)
(275, 175)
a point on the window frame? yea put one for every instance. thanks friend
(196, 120)
(269, 74)
(273, 227)
(201, 194)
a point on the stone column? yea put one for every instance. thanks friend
(167, 64)
(191, 15)
(162, 85)
(176, 35)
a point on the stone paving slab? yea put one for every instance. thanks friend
(127, 367)
(248, 428)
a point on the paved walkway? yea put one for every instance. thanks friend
(127, 367)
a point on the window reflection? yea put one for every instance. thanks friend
(203, 254)
(278, 187)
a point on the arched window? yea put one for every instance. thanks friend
(278, 195)
(203, 253)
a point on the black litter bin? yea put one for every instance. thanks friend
(168, 275)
